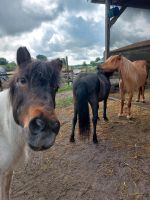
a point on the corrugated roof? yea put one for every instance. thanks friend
(145, 4)
(136, 51)
(139, 45)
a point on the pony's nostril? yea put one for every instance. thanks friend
(40, 123)
(37, 125)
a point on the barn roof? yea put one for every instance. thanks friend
(136, 51)
(145, 4)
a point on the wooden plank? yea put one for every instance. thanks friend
(107, 29)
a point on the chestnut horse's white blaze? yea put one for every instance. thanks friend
(27, 113)
(133, 76)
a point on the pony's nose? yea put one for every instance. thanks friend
(55, 126)
(37, 125)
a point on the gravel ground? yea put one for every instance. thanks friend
(117, 168)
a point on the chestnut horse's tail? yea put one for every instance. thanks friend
(83, 109)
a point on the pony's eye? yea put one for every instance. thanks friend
(22, 80)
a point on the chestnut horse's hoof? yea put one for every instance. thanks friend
(129, 117)
(143, 101)
(120, 114)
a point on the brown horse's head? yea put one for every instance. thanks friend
(32, 93)
(112, 63)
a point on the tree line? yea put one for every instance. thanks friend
(10, 66)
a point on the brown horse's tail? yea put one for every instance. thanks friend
(147, 70)
(83, 109)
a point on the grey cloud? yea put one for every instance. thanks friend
(80, 34)
(14, 19)
(128, 29)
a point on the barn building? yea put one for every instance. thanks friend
(113, 10)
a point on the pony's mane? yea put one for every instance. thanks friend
(129, 74)
(101, 71)
(35, 71)
(39, 69)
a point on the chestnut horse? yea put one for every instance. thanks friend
(133, 77)
(27, 113)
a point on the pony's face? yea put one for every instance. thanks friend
(112, 63)
(32, 93)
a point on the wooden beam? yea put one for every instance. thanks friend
(114, 19)
(107, 29)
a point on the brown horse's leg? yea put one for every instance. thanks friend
(139, 93)
(129, 106)
(122, 94)
(143, 97)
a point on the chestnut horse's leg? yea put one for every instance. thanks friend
(129, 105)
(5, 181)
(74, 121)
(122, 95)
(142, 93)
(139, 93)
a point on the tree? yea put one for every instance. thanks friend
(41, 57)
(10, 66)
(92, 63)
(84, 64)
(97, 59)
(3, 61)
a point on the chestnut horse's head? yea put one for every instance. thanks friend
(112, 63)
(32, 93)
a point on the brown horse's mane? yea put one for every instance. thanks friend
(130, 74)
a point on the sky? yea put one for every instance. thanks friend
(60, 28)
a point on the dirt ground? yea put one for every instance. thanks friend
(117, 168)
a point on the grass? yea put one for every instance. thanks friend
(64, 102)
(65, 88)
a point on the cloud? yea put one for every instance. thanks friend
(65, 28)
(23, 16)
(130, 28)
(52, 28)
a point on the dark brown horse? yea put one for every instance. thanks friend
(27, 113)
(89, 88)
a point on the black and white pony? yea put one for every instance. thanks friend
(89, 88)
(27, 113)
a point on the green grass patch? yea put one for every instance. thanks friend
(65, 88)
(64, 102)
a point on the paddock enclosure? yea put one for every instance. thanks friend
(117, 168)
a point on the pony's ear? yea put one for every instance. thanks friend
(23, 56)
(57, 64)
